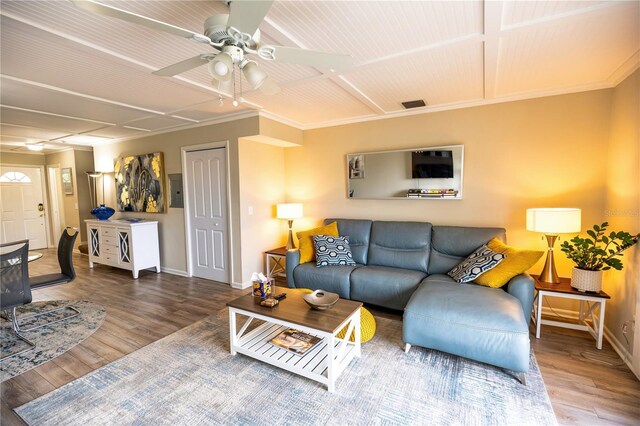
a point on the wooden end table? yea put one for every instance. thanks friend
(275, 262)
(592, 306)
(324, 362)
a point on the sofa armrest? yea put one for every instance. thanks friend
(293, 260)
(522, 288)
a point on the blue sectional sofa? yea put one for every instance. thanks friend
(404, 265)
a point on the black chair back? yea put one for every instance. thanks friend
(14, 271)
(65, 253)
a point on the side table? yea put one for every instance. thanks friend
(275, 262)
(592, 307)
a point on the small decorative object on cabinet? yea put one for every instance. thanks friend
(124, 244)
(596, 254)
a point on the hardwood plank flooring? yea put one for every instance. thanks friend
(586, 386)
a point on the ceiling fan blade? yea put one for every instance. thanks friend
(270, 87)
(294, 55)
(182, 66)
(247, 15)
(114, 12)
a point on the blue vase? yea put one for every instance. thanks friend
(102, 212)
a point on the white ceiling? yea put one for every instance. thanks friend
(71, 77)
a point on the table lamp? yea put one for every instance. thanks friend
(551, 222)
(289, 211)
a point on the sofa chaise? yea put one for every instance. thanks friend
(404, 265)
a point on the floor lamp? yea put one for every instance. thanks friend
(551, 222)
(289, 211)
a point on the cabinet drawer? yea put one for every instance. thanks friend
(109, 259)
(109, 241)
(108, 232)
(110, 249)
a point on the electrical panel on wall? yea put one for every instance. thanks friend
(175, 183)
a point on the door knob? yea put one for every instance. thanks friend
(40, 207)
(216, 224)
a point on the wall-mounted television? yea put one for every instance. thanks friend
(431, 164)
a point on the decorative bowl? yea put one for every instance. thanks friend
(321, 300)
(102, 212)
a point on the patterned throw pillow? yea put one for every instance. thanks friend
(332, 251)
(478, 262)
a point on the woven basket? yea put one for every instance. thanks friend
(583, 280)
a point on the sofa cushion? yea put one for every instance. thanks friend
(332, 251)
(359, 232)
(517, 262)
(400, 245)
(334, 279)
(477, 263)
(480, 323)
(307, 251)
(452, 244)
(384, 286)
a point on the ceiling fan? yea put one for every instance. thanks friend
(233, 36)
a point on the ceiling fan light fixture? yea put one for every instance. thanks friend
(254, 74)
(221, 67)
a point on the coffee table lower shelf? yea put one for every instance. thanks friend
(323, 363)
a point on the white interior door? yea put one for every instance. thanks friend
(22, 206)
(206, 194)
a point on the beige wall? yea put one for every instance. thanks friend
(70, 202)
(262, 185)
(25, 159)
(622, 208)
(171, 223)
(83, 164)
(533, 153)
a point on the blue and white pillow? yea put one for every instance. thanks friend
(332, 251)
(478, 262)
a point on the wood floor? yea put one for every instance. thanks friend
(586, 386)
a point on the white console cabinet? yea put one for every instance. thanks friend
(123, 244)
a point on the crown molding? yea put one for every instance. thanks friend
(465, 104)
(222, 119)
(626, 69)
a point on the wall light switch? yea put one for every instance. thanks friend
(250, 210)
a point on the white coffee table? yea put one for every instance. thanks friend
(323, 363)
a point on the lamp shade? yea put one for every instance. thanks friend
(254, 74)
(289, 210)
(554, 220)
(221, 67)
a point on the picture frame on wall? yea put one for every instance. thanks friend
(67, 180)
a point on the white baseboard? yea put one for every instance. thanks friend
(174, 271)
(241, 286)
(608, 335)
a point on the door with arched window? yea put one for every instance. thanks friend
(22, 206)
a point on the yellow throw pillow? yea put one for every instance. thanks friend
(516, 262)
(305, 240)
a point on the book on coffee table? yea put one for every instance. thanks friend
(295, 341)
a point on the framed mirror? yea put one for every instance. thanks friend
(433, 173)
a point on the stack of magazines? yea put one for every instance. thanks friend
(295, 341)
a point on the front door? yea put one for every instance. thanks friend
(22, 206)
(206, 186)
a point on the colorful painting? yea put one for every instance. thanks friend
(140, 183)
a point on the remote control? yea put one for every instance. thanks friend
(280, 296)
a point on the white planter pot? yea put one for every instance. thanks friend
(583, 280)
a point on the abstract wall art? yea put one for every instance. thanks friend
(140, 183)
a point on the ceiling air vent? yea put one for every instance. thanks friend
(413, 104)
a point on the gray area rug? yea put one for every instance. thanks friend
(50, 340)
(189, 378)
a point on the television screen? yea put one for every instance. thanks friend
(431, 164)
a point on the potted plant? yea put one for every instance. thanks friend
(593, 255)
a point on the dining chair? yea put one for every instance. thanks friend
(15, 289)
(66, 275)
